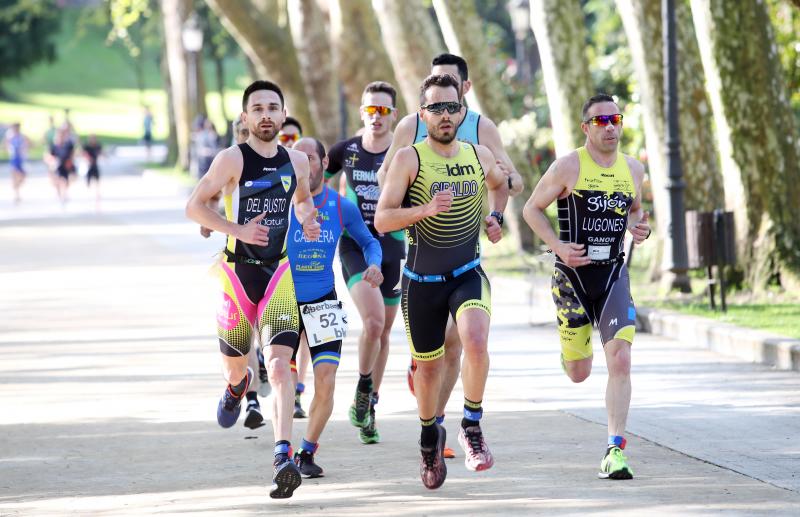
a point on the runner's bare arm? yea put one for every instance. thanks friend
(224, 171)
(389, 216)
(558, 179)
(638, 219)
(304, 208)
(402, 137)
(489, 135)
(496, 180)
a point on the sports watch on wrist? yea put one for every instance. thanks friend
(497, 215)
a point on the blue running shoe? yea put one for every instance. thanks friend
(230, 405)
(285, 480)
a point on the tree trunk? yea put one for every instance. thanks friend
(642, 20)
(172, 134)
(411, 55)
(174, 14)
(359, 54)
(756, 135)
(469, 43)
(269, 46)
(310, 37)
(219, 72)
(561, 36)
(200, 85)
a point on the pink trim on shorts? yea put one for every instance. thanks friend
(273, 284)
(247, 307)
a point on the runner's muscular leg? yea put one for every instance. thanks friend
(452, 365)
(383, 355)
(277, 359)
(322, 403)
(618, 389)
(369, 303)
(473, 329)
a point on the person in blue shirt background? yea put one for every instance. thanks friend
(312, 272)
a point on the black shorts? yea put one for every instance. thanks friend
(592, 295)
(329, 352)
(255, 297)
(354, 265)
(427, 306)
(93, 173)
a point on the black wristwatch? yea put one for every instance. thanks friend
(497, 215)
(510, 186)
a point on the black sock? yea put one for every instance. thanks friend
(430, 433)
(239, 388)
(251, 396)
(365, 383)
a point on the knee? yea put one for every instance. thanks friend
(427, 370)
(324, 384)
(578, 371)
(619, 362)
(373, 327)
(474, 345)
(278, 371)
(452, 354)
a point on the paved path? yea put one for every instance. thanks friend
(110, 377)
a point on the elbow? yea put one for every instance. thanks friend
(190, 210)
(381, 223)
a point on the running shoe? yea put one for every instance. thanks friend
(264, 388)
(285, 479)
(299, 412)
(369, 433)
(449, 453)
(230, 405)
(478, 456)
(615, 465)
(305, 463)
(410, 376)
(359, 411)
(432, 468)
(254, 418)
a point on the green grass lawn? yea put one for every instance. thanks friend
(97, 83)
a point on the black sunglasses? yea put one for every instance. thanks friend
(438, 108)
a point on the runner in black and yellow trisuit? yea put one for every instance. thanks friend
(434, 189)
(598, 192)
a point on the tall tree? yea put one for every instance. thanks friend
(359, 54)
(266, 41)
(174, 14)
(27, 30)
(411, 56)
(643, 25)
(461, 28)
(561, 36)
(756, 135)
(310, 35)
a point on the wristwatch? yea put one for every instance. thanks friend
(497, 215)
(510, 186)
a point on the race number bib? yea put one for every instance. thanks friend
(325, 321)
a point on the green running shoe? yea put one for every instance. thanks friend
(369, 434)
(615, 465)
(359, 411)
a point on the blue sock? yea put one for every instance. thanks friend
(440, 420)
(309, 447)
(616, 441)
(282, 448)
(300, 388)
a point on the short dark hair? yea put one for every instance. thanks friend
(452, 59)
(595, 99)
(291, 121)
(320, 149)
(260, 85)
(443, 81)
(381, 87)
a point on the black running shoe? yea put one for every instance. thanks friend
(285, 479)
(432, 468)
(254, 418)
(299, 412)
(305, 463)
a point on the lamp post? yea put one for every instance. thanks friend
(520, 13)
(677, 260)
(192, 36)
